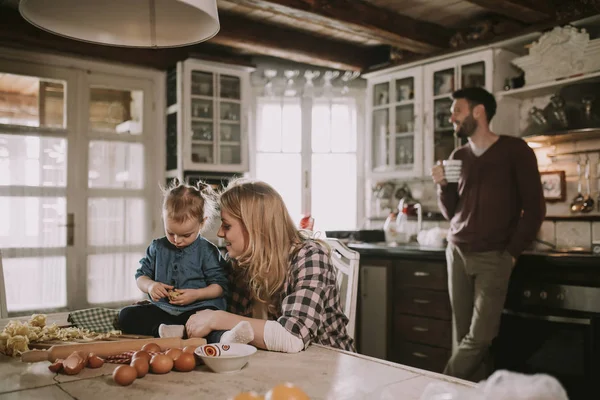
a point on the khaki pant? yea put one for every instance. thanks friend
(477, 283)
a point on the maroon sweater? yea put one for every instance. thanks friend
(498, 203)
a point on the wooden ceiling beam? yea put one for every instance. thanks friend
(360, 18)
(290, 44)
(529, 11)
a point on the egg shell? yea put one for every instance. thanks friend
(141, 365)
(185, 362)
(174, 353)
(189, 349)
(286, 391)
(124, 375)
(161, 364)
(141, 354)
(151, 348)
(94, 361)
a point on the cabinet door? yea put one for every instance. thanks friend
(373, 309)
(440, 81)
(396, 139)
(201, 124)
(230, 117)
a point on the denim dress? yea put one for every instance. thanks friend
(193, 267)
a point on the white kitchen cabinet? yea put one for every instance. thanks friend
(395, 123)
(207, 118)
(488, 68)
(373, 309)
(408, 110)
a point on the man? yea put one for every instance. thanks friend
(495, 211)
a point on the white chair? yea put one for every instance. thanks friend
(3, 310)
(346, 262)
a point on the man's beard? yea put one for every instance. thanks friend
(467, 127)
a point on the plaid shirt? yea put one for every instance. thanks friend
(310, 302)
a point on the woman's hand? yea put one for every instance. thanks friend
(158, 290)
(183, 297)
(201, 323)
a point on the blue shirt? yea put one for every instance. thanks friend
(193, 267)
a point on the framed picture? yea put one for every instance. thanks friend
(554, 185)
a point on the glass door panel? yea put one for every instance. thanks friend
(405, 119)
(405, 145)
(444, 141)
(202, 84)
(472, 75)
(230, 146)
(230, 87)
(381, 139)
(443, 82)
(405, 89)
(381, 94)
(115, 110)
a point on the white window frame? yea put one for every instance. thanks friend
(54, 66)
(306, 105)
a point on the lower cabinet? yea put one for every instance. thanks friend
(408, 320)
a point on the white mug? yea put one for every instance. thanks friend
(452, 170)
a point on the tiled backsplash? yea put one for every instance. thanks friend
(565, 234)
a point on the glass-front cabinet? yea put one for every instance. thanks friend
(440, 81)
(212, 103)
(395, 124)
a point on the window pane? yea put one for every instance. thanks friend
(33, 161)
(343, 128)
(283, 172)
(35, 283)
(321, 128)
(31, 101)
(111, 277)
(115, 110)
(291, 134)
(268, 134)
(279, 126)
(32, 221)
(331, 214)
(116, 221)
(116, 165)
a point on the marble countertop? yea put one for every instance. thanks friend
(323, 373)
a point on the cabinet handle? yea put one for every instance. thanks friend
(420, 329)
(420, 273)
(420, 355)
(421, 301)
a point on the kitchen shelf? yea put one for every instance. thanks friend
(546, 88)
(563, 137)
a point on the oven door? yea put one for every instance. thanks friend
(559, 345)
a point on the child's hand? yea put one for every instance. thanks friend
(159, 290)
(184, 297)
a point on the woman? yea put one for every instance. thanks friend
(283, 284)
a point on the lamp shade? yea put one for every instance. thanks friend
(126, 23)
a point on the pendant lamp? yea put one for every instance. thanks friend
(126, 23)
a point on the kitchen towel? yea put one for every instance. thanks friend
(99, 320)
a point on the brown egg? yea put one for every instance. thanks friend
(151, 348)
(185, 362)
(174, 353)
(141, 354)
(189, 349)
(94, 361)
(141, 366)
(161, 364)
(124, 375)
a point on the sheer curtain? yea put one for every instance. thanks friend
(307, 149)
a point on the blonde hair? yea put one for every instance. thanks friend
(183, 202)
(273, 238)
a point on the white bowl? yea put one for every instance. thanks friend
(223, 358)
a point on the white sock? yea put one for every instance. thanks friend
(171, 330)
(241, 333)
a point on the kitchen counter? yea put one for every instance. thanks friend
(322, 372)
(419, 252)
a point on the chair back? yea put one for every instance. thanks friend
(346, 263)
(3, 308)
